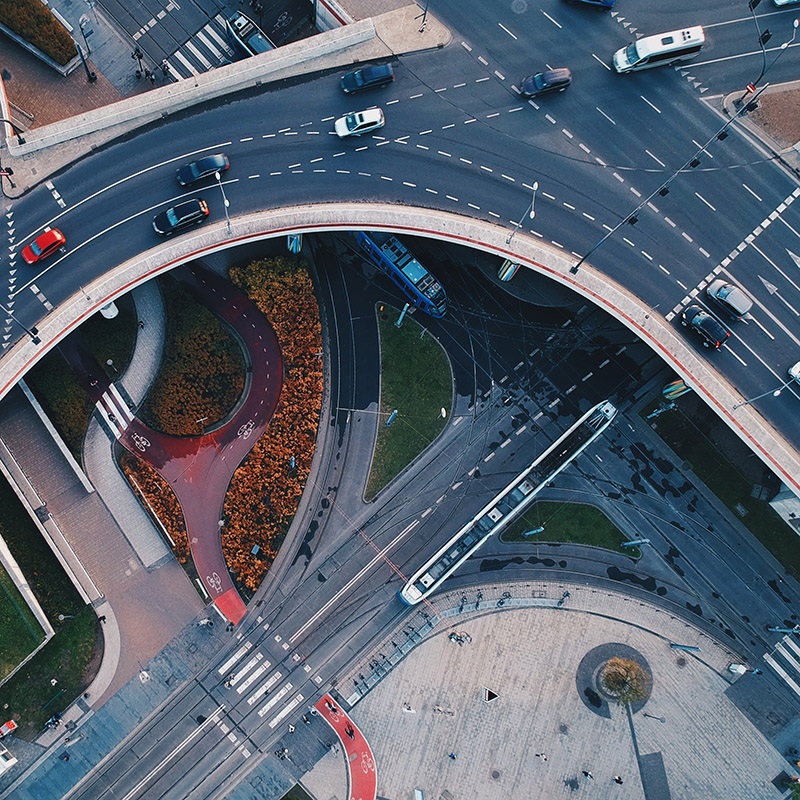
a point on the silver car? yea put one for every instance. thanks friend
(729, 298)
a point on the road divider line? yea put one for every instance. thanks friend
(355, 579)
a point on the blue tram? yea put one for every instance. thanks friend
(392, 257)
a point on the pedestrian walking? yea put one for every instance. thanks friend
(152, 79)
(141, 324)
(102, 618)
(588, 775)
(543, 756)
(291, 729)
(618, 780)
(452, 756)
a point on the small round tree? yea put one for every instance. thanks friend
(626, 680)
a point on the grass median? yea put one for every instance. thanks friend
(575, 523)
(712, 452)
(417, 382)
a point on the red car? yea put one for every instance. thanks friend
(8, 727)
(44, 245)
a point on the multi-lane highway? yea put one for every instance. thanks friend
(459, 138)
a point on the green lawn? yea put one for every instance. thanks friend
(568, 522)
(65, 657)
(417, 381)
(297, 793)
(20, 632)
(689, 441)
(29, 695)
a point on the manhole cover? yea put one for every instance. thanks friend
(562, 728)
(681, 662)
(495, 774)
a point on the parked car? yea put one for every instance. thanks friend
(730, 298)
(551, 80)
(7, 727)
(794, 372)
(597, 3)
(367, 78)
(190, 212)
(202, 168)
(358, 122)
(45, 244)
(714, 333)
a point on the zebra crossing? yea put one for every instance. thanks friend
(207, 49)
(255, 678)
(785, 661)
(114, 411)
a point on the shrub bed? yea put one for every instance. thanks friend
(34, 22)
(152, 489)
(265, 490)
(202, 372)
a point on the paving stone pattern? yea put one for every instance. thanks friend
(530, 657)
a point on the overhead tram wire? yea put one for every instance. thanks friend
(663, 190)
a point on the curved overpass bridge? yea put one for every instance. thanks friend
(456, 161)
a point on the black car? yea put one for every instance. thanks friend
(551, 80)
(367, 78)
(190, 212)
(605, 4)
(714, 333)
(202, 168)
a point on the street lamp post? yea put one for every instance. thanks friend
(763, 38)
(529, 210)
(14, 128)
(138, 55)
(774, 392)
(32, 332)
(225, 201)
(663, 190)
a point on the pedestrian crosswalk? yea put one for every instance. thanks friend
(785, 661)
(114, 411)
(207, 49)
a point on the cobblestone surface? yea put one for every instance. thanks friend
(433, 704)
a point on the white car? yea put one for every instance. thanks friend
(357, 122)
(794, 372)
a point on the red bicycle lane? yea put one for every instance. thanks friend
(361, 774)
(199, 468)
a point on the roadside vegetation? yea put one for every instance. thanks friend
(20, 632)
(34, 22)
(266, 489)
(297, 792)
(202, 372)
(694, 439)
(416, 380)
(575, 523)
(55, 386)
(28, 697)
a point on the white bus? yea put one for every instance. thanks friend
(661, 49)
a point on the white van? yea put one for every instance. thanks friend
(661, 49)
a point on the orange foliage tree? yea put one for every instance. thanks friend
(157, 497)
(265, 490)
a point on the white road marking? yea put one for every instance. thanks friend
(655, 108)
(605, 115)
(507, 30)
(656, 159)
(597, 58)
(550, 18)
(700, 197)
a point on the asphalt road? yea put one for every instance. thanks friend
(459, 138)
(330, 604)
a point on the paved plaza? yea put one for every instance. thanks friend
(540, 662)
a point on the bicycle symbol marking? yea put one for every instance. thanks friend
(246, 429)
(283, 20)
(214, 582)
(140, 441)
(367, 764)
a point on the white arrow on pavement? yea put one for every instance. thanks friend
(773, 290)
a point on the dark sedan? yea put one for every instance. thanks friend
(714, 333)
(190, 212)
(202, 168)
